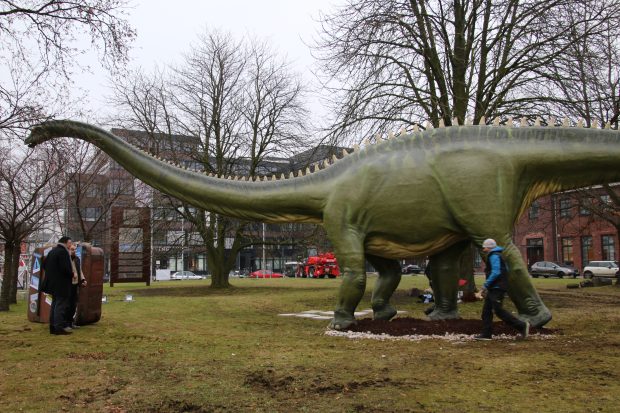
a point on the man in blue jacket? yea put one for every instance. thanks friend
(494, 290)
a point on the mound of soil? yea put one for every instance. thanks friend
(404, 326)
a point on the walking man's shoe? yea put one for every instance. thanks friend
(63, 331)
(526, 330)
(483, 337)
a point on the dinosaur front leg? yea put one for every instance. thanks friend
(389, 278)
(349, 249)
(521, 291)
(445, 270)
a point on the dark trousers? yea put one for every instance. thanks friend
(73, 302)
(58, 313)
(493, 304)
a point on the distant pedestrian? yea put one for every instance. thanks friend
(77, 281)
(494, 290)
(57, 282)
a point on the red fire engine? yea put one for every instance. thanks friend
(319, 266)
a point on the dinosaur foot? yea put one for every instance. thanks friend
(438, 314)
(341, 321)
(386, 312)
(539, 319)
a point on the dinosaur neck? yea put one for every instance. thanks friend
(293, 200)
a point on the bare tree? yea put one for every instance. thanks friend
(585, 80)
(399, 62)
(39, 49)
(233, 104)
(596, 203)
(585, 84)
(44, 33)
(94, 186)
(29, 186)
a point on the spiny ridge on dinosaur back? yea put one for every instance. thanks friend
(379, 139)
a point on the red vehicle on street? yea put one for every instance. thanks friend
(319, 266)
(265, 274)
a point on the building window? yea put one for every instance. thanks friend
(565, 206)
(194, 238)
(608, 244)
(606, 199)
(535, 250)
(585, 206)
(120, 187)
(92, 191)
(533, 212)
(567, 251)
(91, 214)
(586, 250)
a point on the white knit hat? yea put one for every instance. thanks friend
(489, 243)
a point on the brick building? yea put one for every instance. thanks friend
(563, 228)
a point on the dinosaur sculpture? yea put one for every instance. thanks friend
(426, 192)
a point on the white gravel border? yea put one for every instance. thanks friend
(354, 335)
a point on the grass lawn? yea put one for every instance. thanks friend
(181, 347)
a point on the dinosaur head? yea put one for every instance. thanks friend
(38, 134)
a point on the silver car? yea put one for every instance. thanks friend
(551, 269)
(186, 275)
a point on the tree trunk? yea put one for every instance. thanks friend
(467, 269)
(14, 273)
(219, 278)
(5, 292)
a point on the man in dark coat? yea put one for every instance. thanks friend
(58, 275)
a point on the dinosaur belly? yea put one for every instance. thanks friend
(383, 246)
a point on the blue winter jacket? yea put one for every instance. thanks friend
(496, 270)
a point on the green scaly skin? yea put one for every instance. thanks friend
(426, 193)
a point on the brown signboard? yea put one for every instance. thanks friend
(130, 258)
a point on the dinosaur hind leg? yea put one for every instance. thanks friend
(389, 278)
(521, 291)
(444, 275)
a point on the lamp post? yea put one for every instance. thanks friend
(264, 264)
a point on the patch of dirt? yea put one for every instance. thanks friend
(404, 326)
(268, 379)
(323, 387)
(178, 406)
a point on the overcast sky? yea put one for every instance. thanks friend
(166, 30)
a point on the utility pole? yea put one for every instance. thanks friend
(264, 264)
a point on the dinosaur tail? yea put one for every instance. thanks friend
(291, 200)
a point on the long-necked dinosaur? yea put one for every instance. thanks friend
(423, 193)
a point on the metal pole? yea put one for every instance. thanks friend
(263, 263)
(183, 244)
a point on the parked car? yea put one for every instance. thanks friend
(412, 269)
(265, 274)
(551, 269)
(186, 275)
(601, 269)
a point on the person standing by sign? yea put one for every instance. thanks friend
(77, 281)
(58, 275)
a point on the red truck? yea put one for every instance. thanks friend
(319, 266)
